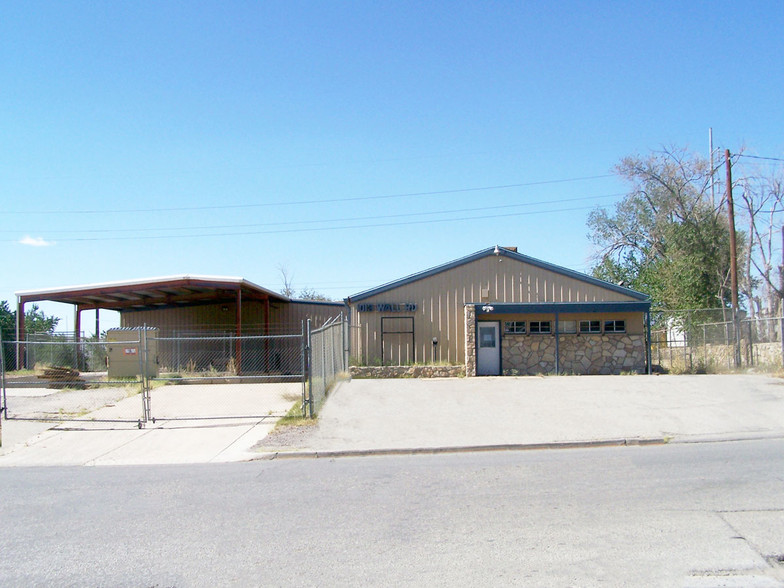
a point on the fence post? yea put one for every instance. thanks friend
(143, 375)
(345, 334)
(310, 372)
(2, 381)
(303, 369)
(781, 337)
(704, 348)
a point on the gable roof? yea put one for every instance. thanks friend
(504, 252)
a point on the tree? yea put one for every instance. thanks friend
(304, 294)
(311, 294)
(288, 281)
(7, 322)
(35, 321)
(664, 237)
(761, 202)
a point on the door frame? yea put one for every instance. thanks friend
(479, 325)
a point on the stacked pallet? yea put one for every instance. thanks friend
(62, 377)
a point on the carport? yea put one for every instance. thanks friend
(154, 294)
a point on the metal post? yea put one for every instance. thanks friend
(557, 338)
(704, 347)
(143, 375)
(648, 346)
(302, 369)
(781, 337)
(310, 371)
(2, 381)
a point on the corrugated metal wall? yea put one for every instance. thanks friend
(285, 318)
(440, 301)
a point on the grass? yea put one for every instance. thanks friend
(25, 372)
(294, 418)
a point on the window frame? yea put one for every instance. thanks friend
(539, 325)
(562, 331)
(615, 323)
(513, 328)
(590, 330)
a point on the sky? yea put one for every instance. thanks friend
(351, 143)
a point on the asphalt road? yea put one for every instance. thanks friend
(679, 515)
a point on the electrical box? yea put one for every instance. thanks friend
(126, 352)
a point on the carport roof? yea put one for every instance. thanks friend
(152, 292)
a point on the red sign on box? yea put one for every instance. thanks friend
(130, 351)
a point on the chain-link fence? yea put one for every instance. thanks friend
(328, 361)
(136, 375)
(67, 380)
(209, 377)
(710, 340)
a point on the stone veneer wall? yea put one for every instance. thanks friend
(407, 371)
(470, 340)
(583, 354)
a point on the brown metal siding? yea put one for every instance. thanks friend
(284, 318)
(440, 300)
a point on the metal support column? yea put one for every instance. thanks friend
(238, 327)
(20, 334)
(648, 341)
(557, 345)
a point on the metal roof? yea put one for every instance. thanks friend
(505, 252)
(153, 292)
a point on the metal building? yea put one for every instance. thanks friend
(500, 312)
(187, 306)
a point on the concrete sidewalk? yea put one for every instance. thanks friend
(406, 415)
(524, 412)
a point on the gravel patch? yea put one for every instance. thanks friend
(288, 438)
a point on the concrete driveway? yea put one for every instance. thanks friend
(110, 435)
(427, 414)
(467, 412)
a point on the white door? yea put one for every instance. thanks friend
(488, 361)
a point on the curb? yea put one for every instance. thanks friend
(462, 449)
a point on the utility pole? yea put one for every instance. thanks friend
(733, 257)
(712, 169)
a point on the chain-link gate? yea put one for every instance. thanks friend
(137, 376)
(225, 377)
(327, 361)
(68, 381)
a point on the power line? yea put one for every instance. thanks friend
(305, 202)
(759, 157)
(329, 220)
(330, 228)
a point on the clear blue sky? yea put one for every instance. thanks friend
(338, 139)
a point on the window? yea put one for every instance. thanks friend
(567, 327)
(540, 327)
(590, 327)
(614, 326)
(487, 336)
(514, 327)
